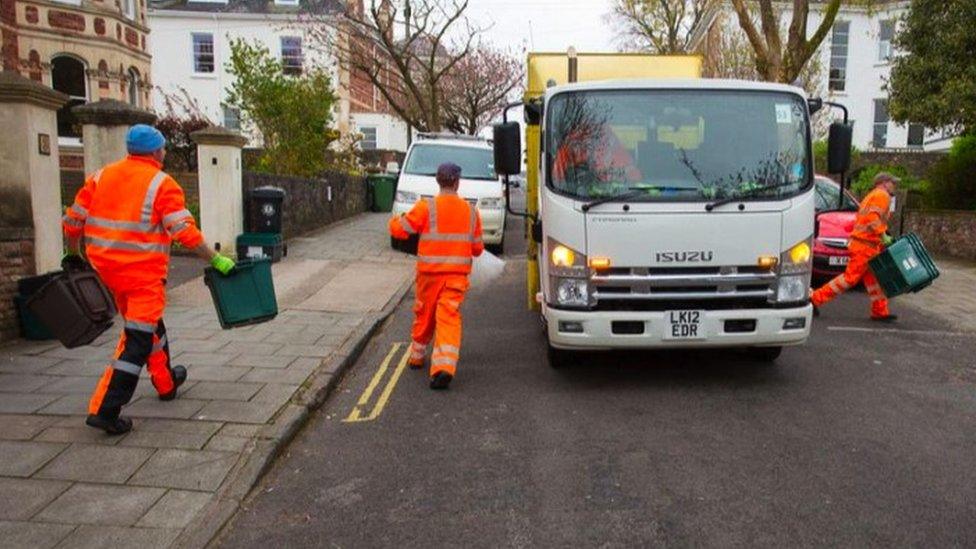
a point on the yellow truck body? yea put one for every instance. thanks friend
(544, 69)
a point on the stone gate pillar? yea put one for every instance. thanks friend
(30, 174)
(104, 125)
(221, 193)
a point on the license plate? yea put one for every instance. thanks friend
(684, 325)
(838, 260)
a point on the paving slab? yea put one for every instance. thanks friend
(276, 361)
(275, 392)
(187, 469)
(180, 426)
(100, 537)
(151, 406)
(215, 373)
(238, 412)
(296, 373)
(101, 504)
(223, 443)
(69, 385)
(23, 497)
(91, 367)
(218, 390)
(175, 509)
(193, 357)
(24, 403)
(96, 463)
(66, 405)
(165, 439)
(78, 432)
(20, 364)
(359, 287)
(35, 535)
(24, 458)
(22, 426)
(310, 351)
(22, 383)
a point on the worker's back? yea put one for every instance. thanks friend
(449, 238)
(124, 229)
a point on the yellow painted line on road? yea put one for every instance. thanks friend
(356, 415)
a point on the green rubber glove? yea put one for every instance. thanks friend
(886, 239)
(223, 264)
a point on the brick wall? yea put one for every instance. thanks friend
(950, 233)
(16, 262)
(307, 206)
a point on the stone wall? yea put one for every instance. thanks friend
(917, 163)
(950, 233)
(16, 262)
(307, 205)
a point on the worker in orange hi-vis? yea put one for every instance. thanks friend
(868, 239)
(128, 213)
(450, 237)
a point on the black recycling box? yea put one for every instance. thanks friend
(74, 306)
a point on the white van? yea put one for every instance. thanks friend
(480, 185)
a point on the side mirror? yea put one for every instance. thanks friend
(507, 140)
(839, 147)
(815, 104)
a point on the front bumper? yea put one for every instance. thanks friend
(492, 221)
(598, 331)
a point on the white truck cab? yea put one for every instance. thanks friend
(672, 214)
(480, 185)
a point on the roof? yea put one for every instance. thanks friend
(681, 84)
(321, 7)
(452, 140)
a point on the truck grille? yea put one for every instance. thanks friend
(680, 284)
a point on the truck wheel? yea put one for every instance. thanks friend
(766, 354)
(558, 358)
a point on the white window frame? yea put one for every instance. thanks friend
(129, 9)
(237, 117)
(365, 140)
(908, 138)
(845, 57)
(885, 47)
(193, 53)
(301, 59)
(286, 2)
(877, 125)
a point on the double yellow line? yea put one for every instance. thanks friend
(356, 415)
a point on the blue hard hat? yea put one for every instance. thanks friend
(144, 139)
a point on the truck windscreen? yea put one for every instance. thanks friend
(677, 145)
(475, 163)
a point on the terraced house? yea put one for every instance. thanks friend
(88, 49)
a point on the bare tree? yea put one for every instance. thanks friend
(661, 26)
(478, 88)
(406, 58)
(776, 61)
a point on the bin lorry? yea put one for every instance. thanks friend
(665, 210)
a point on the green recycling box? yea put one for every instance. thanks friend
(904, 267)
(245, 296)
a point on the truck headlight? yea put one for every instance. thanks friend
(407, 196)
(569, 276)
(491, 203)
(793, 285)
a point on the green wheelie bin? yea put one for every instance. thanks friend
(384, 189)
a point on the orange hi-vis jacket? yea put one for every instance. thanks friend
(450, 234)
(129, 212)
(872, 218)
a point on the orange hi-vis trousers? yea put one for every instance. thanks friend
(438, 316)
(856, 271)
(143, 341)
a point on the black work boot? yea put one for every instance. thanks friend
(117, 426)
(886, 318)
(441, 380)
(179, 376)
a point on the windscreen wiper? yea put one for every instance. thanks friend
(634, 192)
(748, 194)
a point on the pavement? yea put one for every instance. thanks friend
(182, 470)
(862, 437)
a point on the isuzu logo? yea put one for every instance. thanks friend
(684, 257)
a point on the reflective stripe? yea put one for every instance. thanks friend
(417, 345)
(406, 226)
(159, 345)
(445, 237)
(68, 220)
(127, 246)
(839, 285)
(151, 192)
(135, 226)
(432, 218)
(171, 218)
(471, 225)
(447, 349)
(179, 227)
(442, 361)
(140, 326)
(872, 209)
(445, 260)
(126, 367)
(80, 210)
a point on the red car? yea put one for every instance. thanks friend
(832, 229)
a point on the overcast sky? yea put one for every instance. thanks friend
(545, 25)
